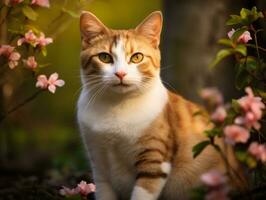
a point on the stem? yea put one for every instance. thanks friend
(18, 106)
(4, 19)
(229, 167)
(256, 43)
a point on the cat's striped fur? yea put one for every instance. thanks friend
(139, 136)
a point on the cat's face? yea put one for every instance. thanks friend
(121, 61)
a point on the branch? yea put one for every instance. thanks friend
(18, 106)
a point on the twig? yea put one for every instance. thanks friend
(18, 106)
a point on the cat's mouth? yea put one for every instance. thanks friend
(121, 84)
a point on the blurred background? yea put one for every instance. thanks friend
(40, 143)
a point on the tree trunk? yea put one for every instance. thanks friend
(191, 31)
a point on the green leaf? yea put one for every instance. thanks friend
(44, 51)
(251, 162)
(235, 19)
(71, 13)
(242, 49)
(226, 42)
(198, 148)
(244, 13)
(236, 106)
(213, 132)
(243, 78)
(221, 55)
(241, 155)
(29, 13)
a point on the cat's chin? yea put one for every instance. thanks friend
(124, 89)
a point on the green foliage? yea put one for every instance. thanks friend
(198, 148)
(29, 13)
(246, 17)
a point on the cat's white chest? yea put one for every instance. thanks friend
(128, 118)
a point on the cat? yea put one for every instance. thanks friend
(138, 135)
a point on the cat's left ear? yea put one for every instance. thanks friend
(151, 27)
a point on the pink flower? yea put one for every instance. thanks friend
(12, 2)
(252, 106)
(32, 39)
(12, 56)
(65, 191)
(213, 178)
(42, 41)
(244, 38)
(51, 83)
(212, 94)
(29, 37)
(258, 151)
(85, 188)
(31, 62)
(42, 82)
(220, 194)
(235, 133)
(42, 3)
(13, 60)
(219, 114)
(231, 33)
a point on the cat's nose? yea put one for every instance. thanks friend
(121, 74)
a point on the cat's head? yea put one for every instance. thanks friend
(121, 61)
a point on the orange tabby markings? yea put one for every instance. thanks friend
(139, 136)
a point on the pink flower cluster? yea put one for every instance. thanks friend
(244, 38)
(236, 134)
(215, 98)
(252, 107)
(10, 53)
(258, 151)
(252, 112)
(215, 180)
(82, 189)
(31, 63)
(49, 83)
(32, 39)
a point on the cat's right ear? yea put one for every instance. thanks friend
(90, 26)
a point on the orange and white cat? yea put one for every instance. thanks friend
(139, 136)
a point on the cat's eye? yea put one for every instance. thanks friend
(105, 57)
(136, 58)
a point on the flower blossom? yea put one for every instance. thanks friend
(51, 83)
(31, 62)
(258, 151)
(213, 178)
(42, 3)
(32, 39)
(212, 94)
(12, 56)
(252, 107)
(219, 114)
(12, 2)
(235, 133)
(244, 38)
(43, 41)
(83, 189)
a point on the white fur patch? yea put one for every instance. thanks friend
(140, 193)
(166, 167)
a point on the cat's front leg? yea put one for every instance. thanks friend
(152, 170)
